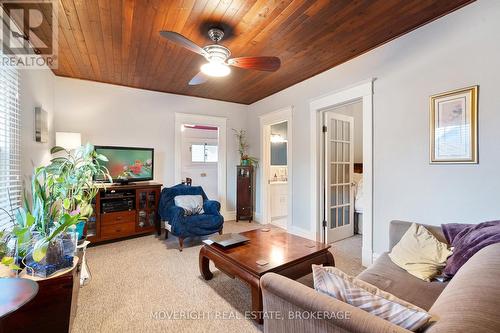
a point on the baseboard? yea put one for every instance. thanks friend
(368, 257)
(374, 256)
(257, 218)
(229, 215)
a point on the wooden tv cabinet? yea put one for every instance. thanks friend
(124, 210)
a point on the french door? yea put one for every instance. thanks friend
(339, 194)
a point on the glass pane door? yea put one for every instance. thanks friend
(339, 156)
(147, 203)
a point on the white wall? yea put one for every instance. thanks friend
(458, 50)
(354, 110)
(113, 115)
(202, 174)
(36, 90)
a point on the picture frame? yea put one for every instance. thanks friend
(453, 127)
(41, 125)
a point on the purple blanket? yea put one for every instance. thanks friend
(467, 239)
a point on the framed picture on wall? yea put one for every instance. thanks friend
(453, 126)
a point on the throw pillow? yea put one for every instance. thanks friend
(335, 283)
(420, 253)
(192, 204)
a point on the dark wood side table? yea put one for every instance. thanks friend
(14, 294)
(285, 254)
(52, 310)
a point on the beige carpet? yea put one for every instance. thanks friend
(146, 285)
(347, 255)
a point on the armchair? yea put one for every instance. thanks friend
(211, 221)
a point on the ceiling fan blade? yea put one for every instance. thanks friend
(198, 79)
(182, 41)
(269, 64)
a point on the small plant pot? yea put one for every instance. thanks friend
(80, 229)
(60, 253)
(245, 162)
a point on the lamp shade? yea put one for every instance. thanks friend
(68, 140)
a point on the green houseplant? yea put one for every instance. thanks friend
(61, 196)
(243, 146)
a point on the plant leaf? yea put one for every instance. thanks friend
(102, 158)
(7, 260)
(21, 216)
(57, 149)
(30, 219)
(59, 160)
(40, 249)
(65, 221)
(66, 203)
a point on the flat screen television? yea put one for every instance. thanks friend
(128, 164)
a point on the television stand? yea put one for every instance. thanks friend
(124, 210)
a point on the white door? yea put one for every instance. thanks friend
(339, 158)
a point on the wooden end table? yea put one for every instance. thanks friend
(14, 293)
(285, 254)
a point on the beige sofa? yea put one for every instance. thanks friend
(470, 302)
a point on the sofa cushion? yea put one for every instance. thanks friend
(337, 284)
(471, 301)
(420, 253)
(395, 280)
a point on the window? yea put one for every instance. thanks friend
(10, 166)
(204, 153)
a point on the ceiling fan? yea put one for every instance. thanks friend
(218, 57)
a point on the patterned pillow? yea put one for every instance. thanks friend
(335, 283)
(192, 204)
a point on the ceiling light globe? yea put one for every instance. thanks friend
(215, 69)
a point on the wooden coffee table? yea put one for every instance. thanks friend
(286, 254)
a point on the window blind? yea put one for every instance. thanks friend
(10, 160)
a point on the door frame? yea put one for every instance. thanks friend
(266, 120)
(221, 123)
(362, 91)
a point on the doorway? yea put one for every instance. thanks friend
(278, 172)
(199, 157)
(276, 164)
(359, 92)
(343, 171)
(200, 154)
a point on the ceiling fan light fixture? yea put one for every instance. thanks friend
(216, 69)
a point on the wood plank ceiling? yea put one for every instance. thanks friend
(117, 41)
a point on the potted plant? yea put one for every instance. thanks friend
(8, 265)
(61, 196)
(245, 159)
